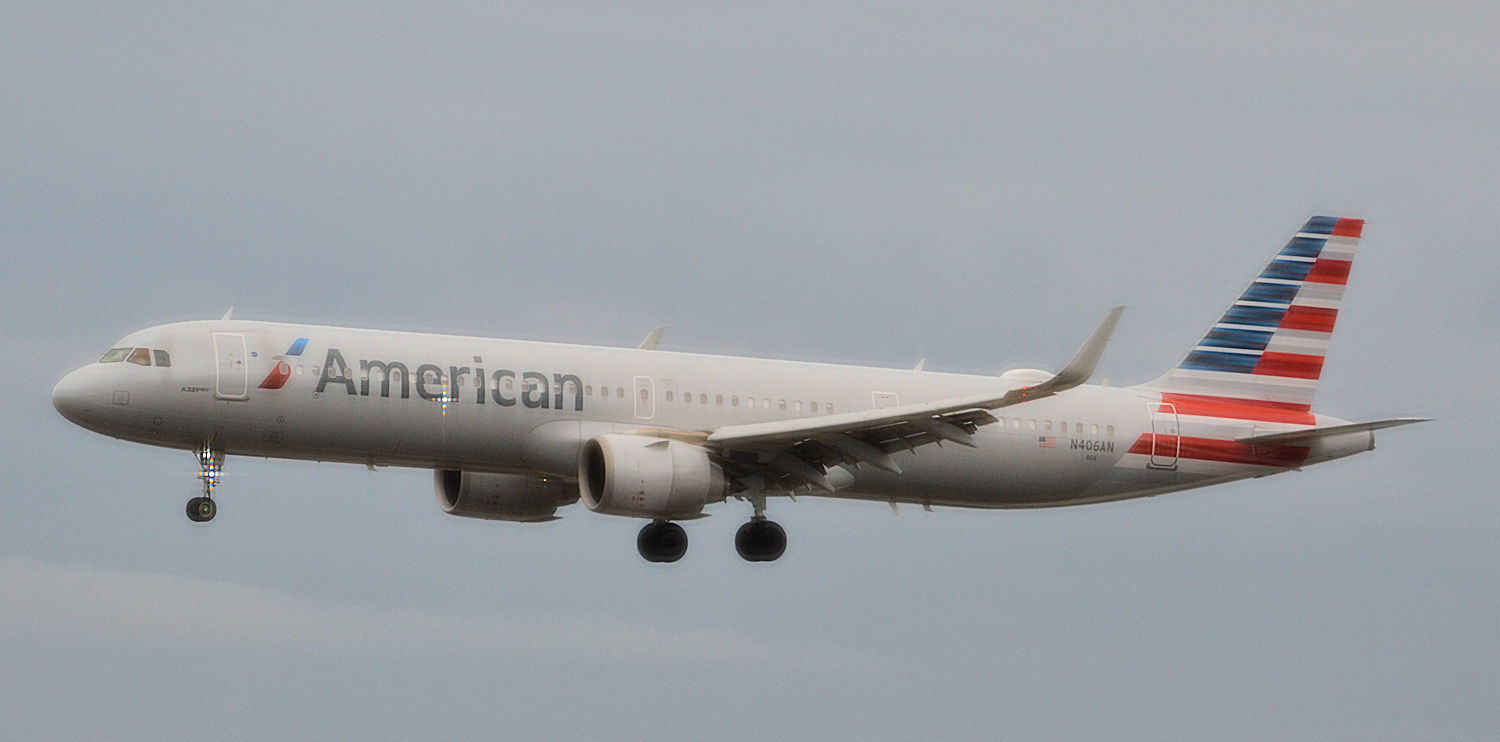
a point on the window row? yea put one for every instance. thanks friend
(702, 398)
(1062, 426)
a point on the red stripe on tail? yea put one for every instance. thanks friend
(1293, 365)
(1329, 271)
(1348, 228)
(1314, 319)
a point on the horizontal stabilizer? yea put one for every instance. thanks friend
(1308, 435)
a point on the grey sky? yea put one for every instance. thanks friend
(854, 183)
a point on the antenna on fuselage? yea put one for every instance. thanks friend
(652, 338)
(227, 313)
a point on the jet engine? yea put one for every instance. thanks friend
(522, 498)
(648, 477)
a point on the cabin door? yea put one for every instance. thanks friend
(232, 370)
(1166, 443)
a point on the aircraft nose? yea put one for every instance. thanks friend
(75, 396)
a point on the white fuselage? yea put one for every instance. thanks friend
(489, 405)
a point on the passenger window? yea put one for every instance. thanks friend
(783, 404)
(1031, 425)
(588, 390)
(603, 390)
(620, 392)
(718, 399)
(669, 396)
(687, 397)
(1109, 430)
(115, 355)
(140, 357)
(702, 399)
(798, 406)
(734, 400)
(1078, 428)
(162, 359)
(1046, 425)
(765, 402)
(298, 369)
(1094, 430)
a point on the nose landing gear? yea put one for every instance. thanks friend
(202, 509)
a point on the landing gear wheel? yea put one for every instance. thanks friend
(661, 541)
(760, 540)
(201, 509)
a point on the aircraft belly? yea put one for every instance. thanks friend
(1006, 470)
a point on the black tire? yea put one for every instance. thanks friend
(661, 541)
(201, 509)
(760, 540)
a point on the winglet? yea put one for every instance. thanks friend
(1077, 371)
(1082, 366)
(652, 338)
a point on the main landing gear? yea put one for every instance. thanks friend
(760, 540)
(662, 541)
(202, 509)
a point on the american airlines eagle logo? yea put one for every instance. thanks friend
(281, 370)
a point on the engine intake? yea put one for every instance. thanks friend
(522, 498)
(648, 477)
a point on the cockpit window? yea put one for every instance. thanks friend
(140, 357)
(115, 355)
(162, 359)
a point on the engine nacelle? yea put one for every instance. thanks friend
(516, 497)
(648, 477)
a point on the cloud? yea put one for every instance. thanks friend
(112, 605)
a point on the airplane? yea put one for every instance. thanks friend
(514, 430)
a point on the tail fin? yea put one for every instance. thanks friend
(1268, 347)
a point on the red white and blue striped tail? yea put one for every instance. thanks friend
(1268, 348)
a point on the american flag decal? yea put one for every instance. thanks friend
(1046, 441)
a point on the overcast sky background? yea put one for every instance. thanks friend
(857, 183)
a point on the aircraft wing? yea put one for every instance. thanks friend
(807, 446)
